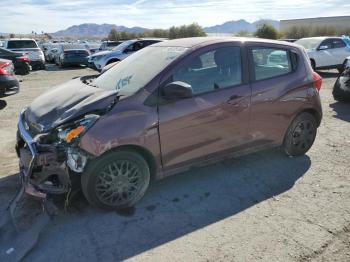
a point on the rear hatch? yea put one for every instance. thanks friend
(26, 47)
(76, 55)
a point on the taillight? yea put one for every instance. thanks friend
(6, 69)
(317, 80)
(23, 58)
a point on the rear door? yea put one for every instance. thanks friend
(273, 75)
(216, 118)
(339, 51)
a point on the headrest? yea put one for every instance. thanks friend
(226, 57)
(195, 63)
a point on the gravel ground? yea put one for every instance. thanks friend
(261, 207)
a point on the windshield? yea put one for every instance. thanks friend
(309, 43)
(22, 44)
(137, 70)
(123, 45)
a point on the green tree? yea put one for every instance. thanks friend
(266, 31)
(12, 35)
(48, 36)
(243, 33)
(173, 32)
(114, 35)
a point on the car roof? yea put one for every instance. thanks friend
(20, 39)
(321, 37)
(73, 46)
(193, 42)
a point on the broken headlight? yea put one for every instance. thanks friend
(71, 132)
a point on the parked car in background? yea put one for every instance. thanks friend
(9, 84)
(45, 47)
(109, 45)
(325, 52)
(71, 54)
(341, 89)
(92, 47)
(201, 100)
(101, 59)
(28, 47)
(109, 66)
(20, 62)
(51, 53)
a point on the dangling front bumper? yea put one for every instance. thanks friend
(42, 168)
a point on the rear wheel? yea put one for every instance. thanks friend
(117, 180)
(300, 135)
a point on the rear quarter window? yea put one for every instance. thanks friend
(22, 44)
(272, 62)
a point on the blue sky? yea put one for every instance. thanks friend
(23, 16)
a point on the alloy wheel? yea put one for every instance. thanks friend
(118, 183)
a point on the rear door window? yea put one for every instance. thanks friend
(338, 43)
(21, 44)
(270, 62)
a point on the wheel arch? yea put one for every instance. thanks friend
(112, 60)
(314, 113)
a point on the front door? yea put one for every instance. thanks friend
(216, 118)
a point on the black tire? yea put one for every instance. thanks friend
(112, 61)
(341, 69)
(105, 186)
(313, 64)
(300, 135)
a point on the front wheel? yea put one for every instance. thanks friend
(117, 180)
(300, 135)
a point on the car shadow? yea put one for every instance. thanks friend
(172, 208)
(342, 110)
(328, 74)
(3, 104)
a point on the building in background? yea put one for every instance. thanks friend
(338, 22)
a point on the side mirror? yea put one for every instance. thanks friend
(323, 47)
(176, 90)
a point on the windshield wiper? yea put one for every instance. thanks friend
(88, 80)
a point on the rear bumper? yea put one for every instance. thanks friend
(38, 63)
(9, 85)
(42, 169)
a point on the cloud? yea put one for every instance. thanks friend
(53, 15)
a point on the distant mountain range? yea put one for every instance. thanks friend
(96, 30)
(232, 27)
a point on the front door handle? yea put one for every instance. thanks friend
(233, 97)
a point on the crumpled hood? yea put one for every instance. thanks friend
(66, 102)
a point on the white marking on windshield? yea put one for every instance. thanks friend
(123, 82)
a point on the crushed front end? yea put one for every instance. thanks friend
(46, 159)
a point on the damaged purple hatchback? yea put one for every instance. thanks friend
(171, 106)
